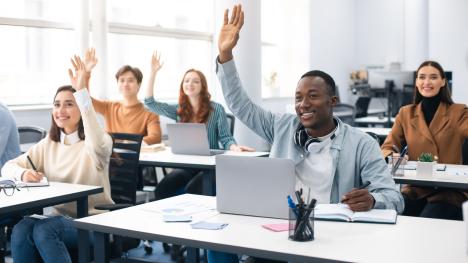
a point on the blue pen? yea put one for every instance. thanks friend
(292, 205)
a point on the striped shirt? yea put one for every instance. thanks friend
(217, 125)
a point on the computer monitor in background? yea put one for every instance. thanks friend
(400, 79)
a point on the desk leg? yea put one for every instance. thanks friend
(209, 184)
(82, 207)
(83, 246)
(101, 247)
(83, 235)
(193, 255)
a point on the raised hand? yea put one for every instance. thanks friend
(90, 59)
(229, 33)
(80, 79)
(156, 64)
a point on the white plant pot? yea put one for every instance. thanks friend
(426, 168)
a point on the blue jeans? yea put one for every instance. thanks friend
(222, 257)
(49, 239)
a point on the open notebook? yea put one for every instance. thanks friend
(19, 184)
(341, 212)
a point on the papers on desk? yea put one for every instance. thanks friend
(19, 184)
(457, 170)
(180, 208)
(153, 147)
(341, 212)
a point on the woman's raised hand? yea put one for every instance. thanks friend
(90, 59)
(156, 64)
(80, 77)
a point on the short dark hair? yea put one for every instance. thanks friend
(327, 78)
(135, 71)
(444, 92)
(54, 131)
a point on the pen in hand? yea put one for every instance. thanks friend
(346, 197)
(36, 176)
(364, 185)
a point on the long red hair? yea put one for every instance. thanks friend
(185, 110)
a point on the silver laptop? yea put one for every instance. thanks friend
(254, 186)
(190, 138)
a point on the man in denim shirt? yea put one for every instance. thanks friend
(332, 158)
(9, 138)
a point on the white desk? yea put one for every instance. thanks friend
(373, 120)
(26, 200)
(381, 132)
(440, 179)
(410, 240)
(40, 197)
(166, 158)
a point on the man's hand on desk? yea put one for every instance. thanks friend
(359, 200)
(241, 148)
(31, 176)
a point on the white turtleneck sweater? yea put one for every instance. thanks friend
(72, 160)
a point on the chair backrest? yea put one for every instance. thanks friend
(345, 112)
(31, 134)
(465, 152)
(362, 105)
(231, 121)
(123, 167)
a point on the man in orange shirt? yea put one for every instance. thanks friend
(128, 115)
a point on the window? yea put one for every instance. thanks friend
(35, 52)
(178, 56)
(180, 14)
(180, 30)
(285, 52)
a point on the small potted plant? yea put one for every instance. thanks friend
(426, 165)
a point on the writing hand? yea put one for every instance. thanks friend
(229, 33)
(359, 200)
(31, 176)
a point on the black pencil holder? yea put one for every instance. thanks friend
(301, 224)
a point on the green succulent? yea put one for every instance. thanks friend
(426, 157)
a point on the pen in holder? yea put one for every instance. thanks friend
(301, 221)
(396, 165)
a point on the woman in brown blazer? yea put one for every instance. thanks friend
(435, 124)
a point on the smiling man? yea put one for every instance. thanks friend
(332, 158)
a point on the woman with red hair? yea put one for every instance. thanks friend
(194, 106)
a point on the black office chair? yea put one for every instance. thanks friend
(345, 112)
(231, 122)
(123, 176)
(362, 105)
(30, 135)
(465, 152)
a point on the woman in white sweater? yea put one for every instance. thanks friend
(77, 150)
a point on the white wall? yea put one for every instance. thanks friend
(333, 40)
(379, 32)
(448, 41)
